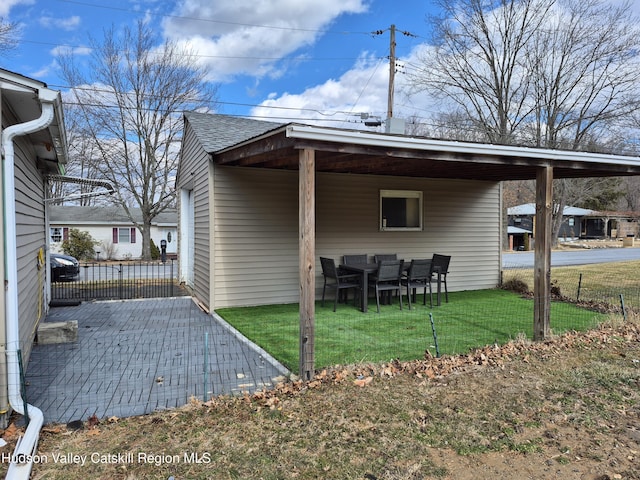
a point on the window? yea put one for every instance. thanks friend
(124, 235)
(400, 210)
(58, 234)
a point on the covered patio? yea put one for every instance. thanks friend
(312, 149)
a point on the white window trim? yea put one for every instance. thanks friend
(402, 194)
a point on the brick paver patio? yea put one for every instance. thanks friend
(136, 356)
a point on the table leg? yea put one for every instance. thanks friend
(365, 292)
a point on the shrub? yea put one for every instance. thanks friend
(79, 245)
(516, 285)
(155, 251)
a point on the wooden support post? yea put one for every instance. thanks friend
(542, 255)
(307, 263)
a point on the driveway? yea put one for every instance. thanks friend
(133, 357)
(561, 258)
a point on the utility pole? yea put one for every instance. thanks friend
(392, 70)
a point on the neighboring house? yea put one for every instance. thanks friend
(33, 146)
(260, 202)
(576, 223)
(117, 236)
(572, 228)
(611, 224)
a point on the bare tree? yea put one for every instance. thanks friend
(9, 32)
(549, 73)
(477, 64)
(131, 103)
(583, 71)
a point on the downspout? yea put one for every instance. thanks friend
(22, 459)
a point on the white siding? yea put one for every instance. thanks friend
(256, 229)
(103, 234)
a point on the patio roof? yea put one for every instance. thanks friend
(357, 152)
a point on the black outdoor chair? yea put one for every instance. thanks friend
(387, 279)
(337, 281)
(439, 271)
(359, 259)
(417, 277)
(377, 258)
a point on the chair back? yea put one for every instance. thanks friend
(329, 269)
(440, 263)
(419, 270)
(389, 270)
(360, 259)
(377, 258)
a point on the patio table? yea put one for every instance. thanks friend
(364, 269)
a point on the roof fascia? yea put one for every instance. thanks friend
(308, 132)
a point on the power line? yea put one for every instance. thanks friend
(224, 57)
(207, 20)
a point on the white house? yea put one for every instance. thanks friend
(118, 237)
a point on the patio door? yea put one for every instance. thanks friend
(187, 233)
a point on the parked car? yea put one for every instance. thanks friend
(63, 267)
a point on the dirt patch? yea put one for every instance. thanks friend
(566, 408)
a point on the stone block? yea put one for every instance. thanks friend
(58, 332)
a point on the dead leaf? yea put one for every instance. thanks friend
(363, 382)
(11, 432)
(93, 421)
(93, 432)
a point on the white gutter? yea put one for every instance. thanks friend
(357, 137)
(22, 459)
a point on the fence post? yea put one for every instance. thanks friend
(120, 286)
(205, 368)
(579, 287)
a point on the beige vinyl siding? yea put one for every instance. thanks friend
(256, 236)
(195, 174)
(256, 232)
(30, 237)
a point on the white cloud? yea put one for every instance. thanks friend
(251, 37)
(67, 50)
(339, 102)
(336, 102)
(68, 24)
(7, 5)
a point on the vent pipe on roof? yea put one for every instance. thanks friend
(22, 458)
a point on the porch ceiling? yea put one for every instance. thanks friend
(355, 152)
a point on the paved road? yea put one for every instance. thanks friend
(573, 257)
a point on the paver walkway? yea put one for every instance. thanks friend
(136, 356)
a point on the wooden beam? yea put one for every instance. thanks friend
(542, 256)
(307, 263)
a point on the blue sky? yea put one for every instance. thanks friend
(315, 61)
(296, 59)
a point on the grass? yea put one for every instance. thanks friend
(559, 409)
(470, 319)
(603, 282)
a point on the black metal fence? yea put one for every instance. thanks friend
(118, 281)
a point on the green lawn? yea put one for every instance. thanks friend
(470, 319)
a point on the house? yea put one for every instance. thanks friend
(576, 223)
(611, 224)
(33, 147)
(117, 237)
(523, 217)
(260, 202)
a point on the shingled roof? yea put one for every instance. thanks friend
(72, 214)
(216, 132)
